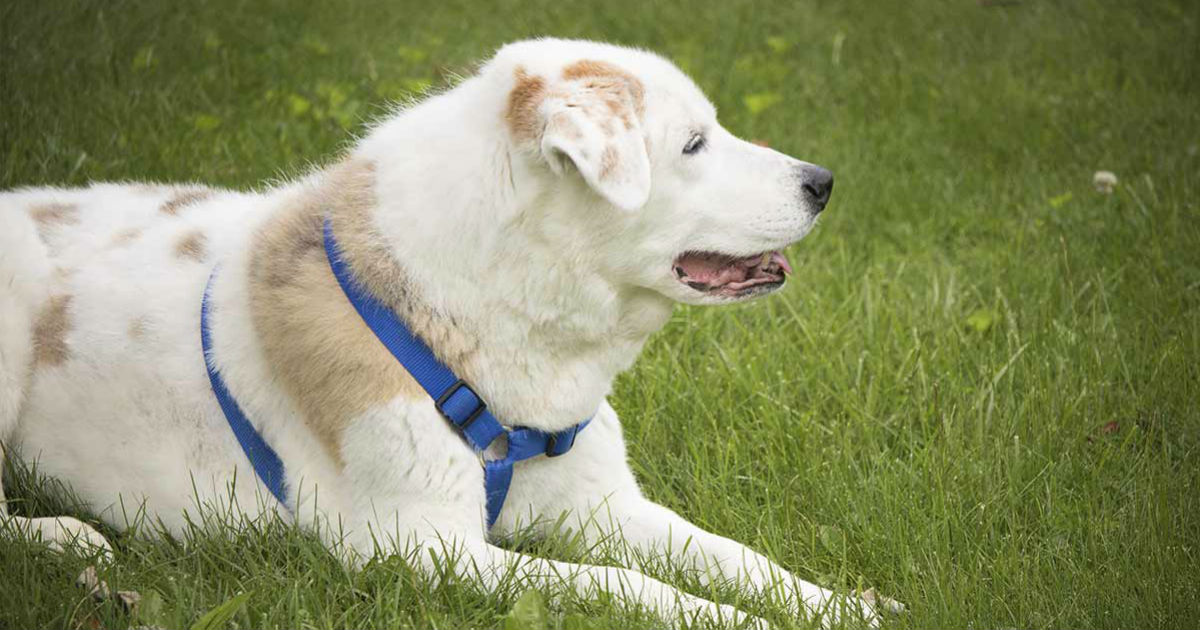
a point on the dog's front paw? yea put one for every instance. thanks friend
(742, 619)
(696, 609)
(848, 611)
(881, 603)
(61, 533)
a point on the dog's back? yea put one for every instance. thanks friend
(101, 290)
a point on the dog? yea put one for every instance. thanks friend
(530, 227)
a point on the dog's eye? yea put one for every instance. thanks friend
(694, 144)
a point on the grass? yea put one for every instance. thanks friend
(979, 395)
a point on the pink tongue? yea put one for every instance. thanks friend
(716, 270)
(712, 270)
(781, 260)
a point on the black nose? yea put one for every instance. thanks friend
(816, 184)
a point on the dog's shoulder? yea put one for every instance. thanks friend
(314, 342)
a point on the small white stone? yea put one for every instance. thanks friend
(1104, 181)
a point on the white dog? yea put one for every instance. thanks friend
(533, 226)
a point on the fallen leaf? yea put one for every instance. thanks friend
(299, 104)
(211, 42)
(150, 611)
(315, 45)
(528, 613)
(220, 614)
(759, 102)
(1059, 201)
(206, 122)
(832, 538)
(412, 55)
(778, 44)
(144, 59)
(982, 320)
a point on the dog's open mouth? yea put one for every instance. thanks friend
(732, 276)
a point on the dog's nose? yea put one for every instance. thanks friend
(816, 184)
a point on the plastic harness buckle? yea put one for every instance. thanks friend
(552, 443)
(440, 403)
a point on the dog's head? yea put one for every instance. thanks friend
(624, 146)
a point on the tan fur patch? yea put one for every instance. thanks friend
(50, 332)
(138, 327)
(125, 237)
(49, 216)
(329, 362)
(523, 102)
(608, 161)
(192, 246)
(608, 77)
(184, 198)
(51, 213)
(612, 88)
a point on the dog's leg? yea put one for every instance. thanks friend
(492, 567)
(59, 533)
(594, 485)
(647, 529)
(417, 490)
(630, 587)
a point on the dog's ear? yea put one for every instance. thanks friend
(589, 119)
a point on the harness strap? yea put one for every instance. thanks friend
(263, 459)
(453, 397)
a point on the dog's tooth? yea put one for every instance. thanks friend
(766, 259)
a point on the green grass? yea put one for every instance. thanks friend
(979, 395)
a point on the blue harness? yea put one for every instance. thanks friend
(453, 397)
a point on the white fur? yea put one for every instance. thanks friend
(561, 276)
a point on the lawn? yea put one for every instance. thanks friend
(978, 395)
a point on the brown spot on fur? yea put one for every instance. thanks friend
(608, 78)
(54, 213)
(523, 102)
(327, 360)
(48, 216)
(183, 199)
(192, 246)
(608, 161)
(138, 327)
(50, 332)
(607, 86)
(125, 237)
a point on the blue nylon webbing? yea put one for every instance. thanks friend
(459, 404)
(454, 399)
(263, 459)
